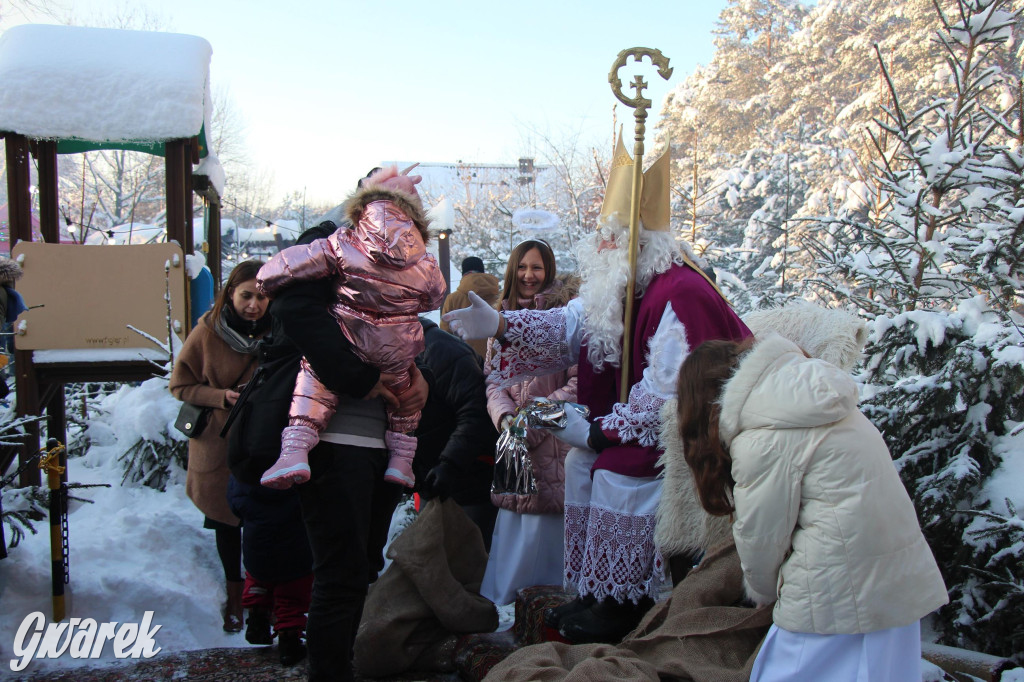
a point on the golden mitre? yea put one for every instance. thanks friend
(655, 208)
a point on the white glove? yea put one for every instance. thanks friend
(576, 431)
(478, 321)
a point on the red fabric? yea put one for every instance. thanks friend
(289, 600)
(704, 314)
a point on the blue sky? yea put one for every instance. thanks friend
(328, 89)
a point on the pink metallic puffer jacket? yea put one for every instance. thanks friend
(383, 276)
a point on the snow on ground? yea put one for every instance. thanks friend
(132, 549)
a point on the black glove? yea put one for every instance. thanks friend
(439, 481)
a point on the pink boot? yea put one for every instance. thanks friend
(401, 450)
(293, 465)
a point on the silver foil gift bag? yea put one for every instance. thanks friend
(513, 470)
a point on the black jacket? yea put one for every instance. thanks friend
(454, 425)
(274, 544)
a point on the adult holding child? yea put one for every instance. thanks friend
(347, 504)
(527, 547)
(218, 357)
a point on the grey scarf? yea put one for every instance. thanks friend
(241, 343)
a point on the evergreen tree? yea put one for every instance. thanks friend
(933, 256)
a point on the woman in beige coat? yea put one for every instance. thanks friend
(217, 359)
(823, 525)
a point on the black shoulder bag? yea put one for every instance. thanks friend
(192, 419)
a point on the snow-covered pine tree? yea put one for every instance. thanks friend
(936, 262)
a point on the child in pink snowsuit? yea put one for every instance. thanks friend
(383, 278)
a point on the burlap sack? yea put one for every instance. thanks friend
(428, 595)
(701, 633)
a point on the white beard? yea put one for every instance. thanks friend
(605, 275)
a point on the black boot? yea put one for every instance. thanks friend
(257, 626)
(606, 622)
(554, 616)
(290, 648)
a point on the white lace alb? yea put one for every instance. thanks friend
(639, 419)
(610, 554)
(535, 344)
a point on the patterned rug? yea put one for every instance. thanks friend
(248, 665)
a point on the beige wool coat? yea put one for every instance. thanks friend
(206, 368)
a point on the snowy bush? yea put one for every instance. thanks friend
(136, 425)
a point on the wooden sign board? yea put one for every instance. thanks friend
(90, 294)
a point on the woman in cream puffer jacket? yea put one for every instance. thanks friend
(823, 525)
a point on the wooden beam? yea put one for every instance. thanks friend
(56, 421)
(80, 372)
(27, 404)
(191, 147)
(213, 257)
(19, 205)
(49, 196)
(19, 197)
(174, 161)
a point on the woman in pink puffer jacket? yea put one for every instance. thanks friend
(383, 278)
(528, 540)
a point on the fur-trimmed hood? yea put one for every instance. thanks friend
(817, 393)
(828, 334)
(10, 271)
(682, 526)
(409, 205)
(832, 335)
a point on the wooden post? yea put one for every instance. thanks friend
(55, 470)
(49, 200)
(189, 245)
(174, 161)
(19, 198)
(56, 421)
(20, 223)
(213, 239)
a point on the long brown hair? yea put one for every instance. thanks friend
(701, 379)
(243, 272)
(511, 291)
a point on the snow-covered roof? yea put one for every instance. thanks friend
(288, 229)
(102, 85)
(141, 233)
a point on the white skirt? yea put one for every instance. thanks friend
(526, 550)
(892, 655)
(609, 531)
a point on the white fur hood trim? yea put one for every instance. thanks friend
(777, 387)
(830, 334)
(682, 526)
